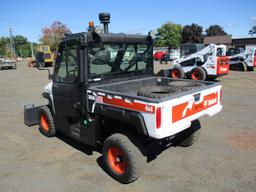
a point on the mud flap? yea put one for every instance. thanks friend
(30, 115)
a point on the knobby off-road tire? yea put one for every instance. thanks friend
(46, 123)
(189, 136)
(238, 67)
(156, 91)
(177, 72)
(198, 73)
(250, 68)
(122, 158)
(185, 85)
(211, 78)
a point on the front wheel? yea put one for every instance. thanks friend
(177, 72)
(46, 123)
(123, 160)
(198, 73)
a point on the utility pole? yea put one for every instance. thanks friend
(12, 44)
(32, 51)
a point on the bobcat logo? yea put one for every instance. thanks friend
(188, 107)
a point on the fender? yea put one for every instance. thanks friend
(127, 116)
(49, 98)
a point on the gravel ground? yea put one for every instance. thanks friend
(222, 160)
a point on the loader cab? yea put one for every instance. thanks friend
(190, 48)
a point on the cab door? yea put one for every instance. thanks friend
(66, 87)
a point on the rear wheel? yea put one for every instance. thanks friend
(177, 72)
(198, 73)
(189, 136)
(211, 78)
(46, 123)
(123, 160)
(250, 68)
(238, 67)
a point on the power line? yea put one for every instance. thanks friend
(21, 21)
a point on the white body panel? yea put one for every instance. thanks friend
(209, 62)
(168, 128)
(48, 89)
(170, 124)
(247, 56)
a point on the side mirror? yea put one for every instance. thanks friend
(50, 76)
(40, 64)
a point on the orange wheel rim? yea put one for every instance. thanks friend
(196, 75)
(175, 74)
(44, 123)
(116, 160)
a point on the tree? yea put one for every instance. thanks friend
(252, 31)
(22, 46)
(4, 46)
(215, 30)
(52, 35)
(192, 34)
(169, 35)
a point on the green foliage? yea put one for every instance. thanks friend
(215, 30)
(169, 35)
(52, 35)
(22, 46)
(4, 46)
(192, 34)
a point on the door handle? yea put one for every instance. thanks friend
(55, 88)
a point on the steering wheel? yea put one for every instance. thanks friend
(71, 77)
(72, 71)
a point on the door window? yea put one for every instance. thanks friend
(67, 66)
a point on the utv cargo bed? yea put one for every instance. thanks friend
(167, 106)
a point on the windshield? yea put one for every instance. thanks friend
(115, 58)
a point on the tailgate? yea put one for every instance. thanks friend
(173, 116)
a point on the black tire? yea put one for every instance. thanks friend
(189, 136)
(129, 158)
(250, 68)
(46, 123)
(211, 78)
(177, 73)
(198, 73)
(185, 85)
(238, 67)
(156, 91)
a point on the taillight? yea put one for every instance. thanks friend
(158, 117)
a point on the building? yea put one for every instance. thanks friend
(223, 39)
(229, 41)
(243, 42)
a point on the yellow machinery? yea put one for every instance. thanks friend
(44, 57)
(47, 54)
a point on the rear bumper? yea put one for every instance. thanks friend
(186, 123)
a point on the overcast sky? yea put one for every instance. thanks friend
(28, 17)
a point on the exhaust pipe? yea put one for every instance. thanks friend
(105, 20)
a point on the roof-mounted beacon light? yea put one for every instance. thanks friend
(91, 26)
